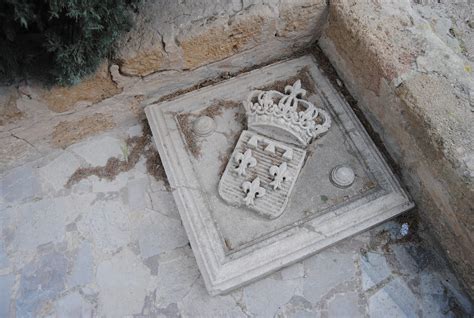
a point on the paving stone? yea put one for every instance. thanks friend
(422, 256)
(6, 284)
(107, 224)
(439, 293)
(407, 264)
(299, 307)
(197, 303)
(123, 281)
(159, 233)
(170, 311)
(374, 269)
(294, 271)
(264, 297)
(163, 202)
(136, 194)
(135, 131)
(72, 306)
(97, 151)
(345, 305)
(394, 300)
(19, 184)
(177, 272)
(82, 271)
(325, 271)
(152, 264)
(41, 222)
(3, 256)
(58, 171)
(41, 281)
(434, 299)
(105, 186)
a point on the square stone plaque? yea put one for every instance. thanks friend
(268, 168)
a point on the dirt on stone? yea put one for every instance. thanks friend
(225, 76)
(66, 133)
(92, 89)
(135, 107)
(216, 41)
(185, 121)
(303, 75)
(331, 74)
(185, 124)
(8, 110)
(139, 146)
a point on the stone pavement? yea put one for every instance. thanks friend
(115, 248)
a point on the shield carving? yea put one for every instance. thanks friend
(268, 157)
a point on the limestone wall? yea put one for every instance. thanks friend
(418, 93)
(174, 46)
(179, 35)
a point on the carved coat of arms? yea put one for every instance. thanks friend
(268, 157)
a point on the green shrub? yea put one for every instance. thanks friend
(59, 40)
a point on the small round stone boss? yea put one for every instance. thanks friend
(342, 176)
(204, 126)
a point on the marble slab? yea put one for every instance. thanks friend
(340, 186)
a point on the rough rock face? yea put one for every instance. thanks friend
(418, 94)
(175, 46)
(92, 90)
(8, 109)
(178, 36)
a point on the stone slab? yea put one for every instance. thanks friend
(233, 245)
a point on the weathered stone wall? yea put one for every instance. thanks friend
(181, 35)
(418, 94)
(174, 46)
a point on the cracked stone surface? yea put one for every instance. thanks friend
(117, 248)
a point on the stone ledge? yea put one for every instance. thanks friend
(416, 93)
(215, 31)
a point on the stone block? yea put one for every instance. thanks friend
(106, 223)
(374, 269)
(159, 233)
(19, 184)
(96, 152)
(177, 272)
(345, 305)
(82, 271)
(324, 272)
(58, 171)
(92, 89)
(232, 241)
(264, 298)
(123, 282)
(41, 281)
(193, 35)
(6, 285)
(394, 300)
(3, 256)
(415, 91)
(73, 306)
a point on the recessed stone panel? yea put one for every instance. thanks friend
(285, 171)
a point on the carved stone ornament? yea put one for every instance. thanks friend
(268, 157)
(274, 204)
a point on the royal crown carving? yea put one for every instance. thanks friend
(268, 157)
(286, 116)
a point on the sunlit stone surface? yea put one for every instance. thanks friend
(240, 225)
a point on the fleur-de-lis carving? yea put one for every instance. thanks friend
(244, 161)
(290, 101)
(253, 190)
(280, 174)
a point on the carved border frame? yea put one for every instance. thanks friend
(223, 272)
